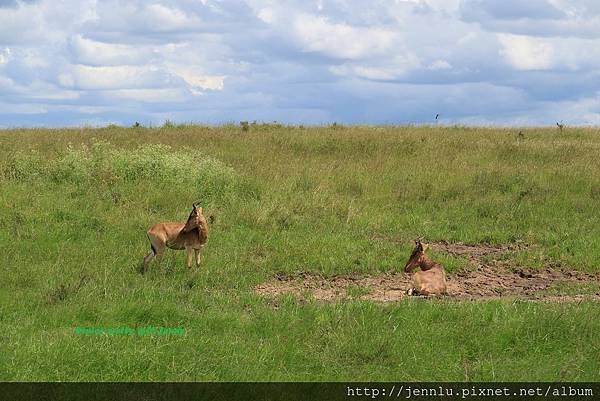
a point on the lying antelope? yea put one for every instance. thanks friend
(431, 280)
(191, 236)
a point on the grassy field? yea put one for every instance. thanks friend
(76, 204)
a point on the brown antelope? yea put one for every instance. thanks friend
(431, 280)
(191, 236)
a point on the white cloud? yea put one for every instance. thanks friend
(95, 53)
(266, 14)
(112, 17)
(533, 53)
(20, 25)
(317, 34)
(149, 95)
(115, 77)
(526, 53)
(394, 68)
(4, 55)
(334, 60)
(440, 65)
(6, 84)
(168, 18)
(23, 108)
(198, 80)
(43, 91)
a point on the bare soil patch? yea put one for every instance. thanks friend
(484, 282)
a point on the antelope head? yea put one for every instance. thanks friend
(416, 257)
(196, 219)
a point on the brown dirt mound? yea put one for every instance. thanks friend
(485, 282)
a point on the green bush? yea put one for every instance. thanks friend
(22, 165)
(73, 166)
(210, 179)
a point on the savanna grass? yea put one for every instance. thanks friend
(332, 200)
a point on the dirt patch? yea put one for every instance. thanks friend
(484, 282)
(384, 288)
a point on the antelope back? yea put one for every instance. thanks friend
(431, 281)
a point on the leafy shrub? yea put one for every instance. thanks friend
(72, 166)
(22, 165)
(153, 164)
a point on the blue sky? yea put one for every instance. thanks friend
(475, 62)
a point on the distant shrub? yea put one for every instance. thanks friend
(153, 164)
(148, 162)
(22, 165)
(73, 165)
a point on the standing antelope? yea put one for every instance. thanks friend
(431, 280)
(191, 236)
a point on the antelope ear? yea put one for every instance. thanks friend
(425, 247)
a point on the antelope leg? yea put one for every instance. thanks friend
(198, 253)
(189, 251)
(147, 260)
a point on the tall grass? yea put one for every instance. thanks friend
(103, 164)
(77, 202)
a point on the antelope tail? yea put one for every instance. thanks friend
(151, 245)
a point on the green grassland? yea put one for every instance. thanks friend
(76, 203)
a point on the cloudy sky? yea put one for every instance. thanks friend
(475, 62)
